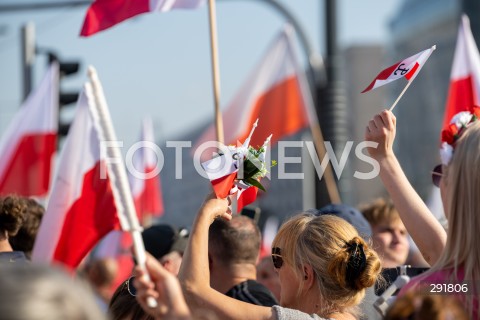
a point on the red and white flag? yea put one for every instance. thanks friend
(222, 174)
(104, 14)
(28, 145)
(275, 92)
(117, 245)
(81, 209)
(464, 91)
(407, 68)
(144, 180)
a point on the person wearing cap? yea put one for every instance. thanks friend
(166, 244)
(349, 214)
(233, 251)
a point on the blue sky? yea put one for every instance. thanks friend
(158, 65)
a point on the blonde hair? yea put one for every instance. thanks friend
(463, 180)
(378, 211)
(322, 242)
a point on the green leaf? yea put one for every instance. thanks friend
(255, 183)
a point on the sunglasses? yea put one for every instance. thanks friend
(129, 284)
(277, 258)
(437, 175)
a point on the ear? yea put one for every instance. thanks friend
(308, 276)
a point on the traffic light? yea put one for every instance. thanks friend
(64, 98)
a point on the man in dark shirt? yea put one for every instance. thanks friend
(233, 253)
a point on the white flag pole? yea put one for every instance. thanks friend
(401, 94)
(411, 80)
(123, 195)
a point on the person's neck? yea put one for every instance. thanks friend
(310, 303)
(4, 244)
(225, 278)
(340, 316)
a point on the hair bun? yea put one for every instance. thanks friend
(357, 261)
(355, 266)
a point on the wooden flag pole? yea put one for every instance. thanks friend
(216, 85)
(319, 142)
(401, 94)
(215, 70)
(433, 48)
(317, 135)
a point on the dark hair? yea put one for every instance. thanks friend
(237, 241)
(12, 214)
(125, 306)
(25, 237)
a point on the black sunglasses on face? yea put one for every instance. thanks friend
(129, 284)
(437, 175)
(277, 258)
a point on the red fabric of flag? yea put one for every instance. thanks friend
(81, 209)
(29, 143)
(103, 14)
(407, 68)
(464, 90)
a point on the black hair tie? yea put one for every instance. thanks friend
(357, 262)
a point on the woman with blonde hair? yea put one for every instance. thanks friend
(323, 264)
(455, 255)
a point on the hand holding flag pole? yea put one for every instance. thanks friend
(121, 189)
(407, 68)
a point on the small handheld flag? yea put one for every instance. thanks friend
(238, 171)
(407, 68)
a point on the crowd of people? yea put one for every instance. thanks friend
(324, 263)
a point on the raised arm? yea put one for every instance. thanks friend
(426, 231)
(195, 275)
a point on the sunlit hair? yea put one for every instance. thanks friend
(463, 212)
(379, 211)
(320, 241)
